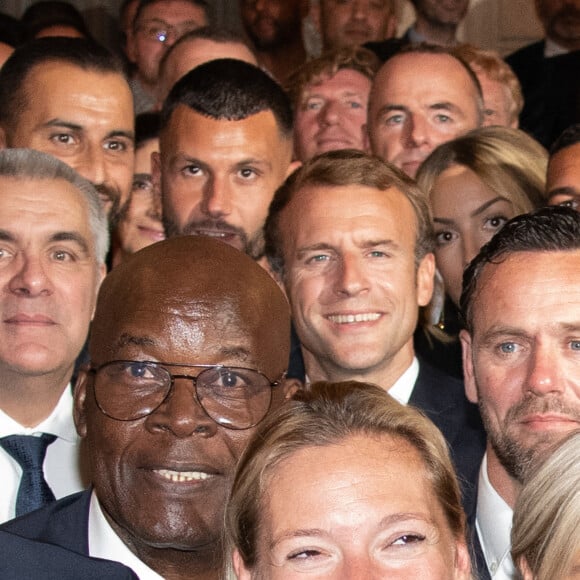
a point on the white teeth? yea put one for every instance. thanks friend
(179, 476)
(212, 234)
(350, 318)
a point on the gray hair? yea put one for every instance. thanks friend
(31, 164)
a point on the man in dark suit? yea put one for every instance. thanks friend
(53, 242)
(189, 348)
(521, 305)
(349, 237)
(23, 558)
(548, 72)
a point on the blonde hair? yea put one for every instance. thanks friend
(545, 526)
(496, 69)
(508, 161)
(325, 415)
(313, 72)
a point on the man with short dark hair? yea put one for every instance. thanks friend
(436, 22)
(421, 97)
(353, 22)
(275, 29)
(563, 176)
(521, 310)
(158, 25)
(69, 97)
(349, 237)
(330, 98)
(225, 146)
(53, 242)
(183, 367)
(196, 47)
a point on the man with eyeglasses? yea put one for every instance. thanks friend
(158, 25)
(189, 349)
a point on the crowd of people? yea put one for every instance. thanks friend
(274, 314)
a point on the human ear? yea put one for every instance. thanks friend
(468, 374)
(425, 279)
(80, 397)
(242, 573)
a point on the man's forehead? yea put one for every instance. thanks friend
(189, 132)
(171, 11)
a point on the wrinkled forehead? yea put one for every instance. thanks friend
(185, 305)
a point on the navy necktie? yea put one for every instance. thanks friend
(29, 452)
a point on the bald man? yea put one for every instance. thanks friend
(183, 368)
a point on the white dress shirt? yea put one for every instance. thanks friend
(404, 385)
(494, 523)
(61, 464)
(105, 543)
(553, 49)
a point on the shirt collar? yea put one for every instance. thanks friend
(552, 48)
(105, 543)
(494, 524)
(403, 387)
(59, 422)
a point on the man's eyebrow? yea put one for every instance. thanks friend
(6, 236)
(392, 108)
(121, 133)
(71, 237)
(127, 339)
(252, 161)
(445, 106)
(321, 246)
(62, 123)
(564, 190)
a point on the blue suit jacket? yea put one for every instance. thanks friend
(63, 523)
(21, 558)
(442, 398)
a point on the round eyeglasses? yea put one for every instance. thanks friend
(233, 397)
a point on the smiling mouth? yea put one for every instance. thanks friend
(354, 318)
(182, 476)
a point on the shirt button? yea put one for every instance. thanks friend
(493, 567)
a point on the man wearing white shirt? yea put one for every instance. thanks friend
(349, 237)
(189, 348)
(521, 308)
(53, 242)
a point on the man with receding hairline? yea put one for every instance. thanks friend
(421, 97)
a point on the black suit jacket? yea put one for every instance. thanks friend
(442, 398)
(551, 88)
(21, 558)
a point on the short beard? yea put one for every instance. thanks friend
(518, 460)
(114, 195)
(253, 247)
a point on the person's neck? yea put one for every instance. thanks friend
(385, 375)
(283, 60)
(31, 399)
(146, 86)
(505, 485)
(433, 33)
